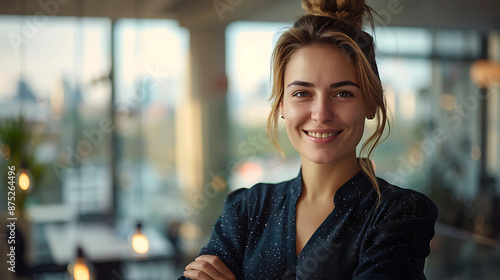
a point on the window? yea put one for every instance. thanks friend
(249, 47)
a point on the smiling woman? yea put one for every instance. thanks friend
(336, 219)
(323, 106)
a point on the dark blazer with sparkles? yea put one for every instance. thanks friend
(255, 235)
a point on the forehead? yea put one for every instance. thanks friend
(320, 63)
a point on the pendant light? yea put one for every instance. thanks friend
(140, 243)
(81, 269)
(23, 179)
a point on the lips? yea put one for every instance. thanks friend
(322, 134)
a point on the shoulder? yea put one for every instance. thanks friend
(400, 202)
(399, 229)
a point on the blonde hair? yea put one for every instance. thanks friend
(336, 23)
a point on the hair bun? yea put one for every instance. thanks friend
(346, 10)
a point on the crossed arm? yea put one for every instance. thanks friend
(208, 267)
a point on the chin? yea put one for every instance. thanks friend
(322, 158)
(328, 156)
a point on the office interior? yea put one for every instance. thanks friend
(125, 123)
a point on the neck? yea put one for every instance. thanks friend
(321, 181)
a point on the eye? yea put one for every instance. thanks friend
(300, 94)
(344, 94)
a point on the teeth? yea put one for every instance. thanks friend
(321, 135)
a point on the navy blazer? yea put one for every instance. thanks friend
(255, 235)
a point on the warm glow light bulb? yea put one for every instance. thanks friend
(81, 271)
(24, 181)
(140, 243)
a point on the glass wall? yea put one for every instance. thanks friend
(249, 47)
(151, 79)
(58, 80)
(55, 90)
(56, 122)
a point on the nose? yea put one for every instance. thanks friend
(322, 110)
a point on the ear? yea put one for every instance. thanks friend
(280, 107)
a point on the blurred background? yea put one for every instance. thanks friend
(125, 123)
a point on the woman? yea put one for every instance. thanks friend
(336, 220)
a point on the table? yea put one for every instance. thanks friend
(100, 243)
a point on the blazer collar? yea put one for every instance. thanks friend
(351, 191)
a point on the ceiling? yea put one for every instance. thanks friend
(483, 15)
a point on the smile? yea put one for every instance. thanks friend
(319, 135)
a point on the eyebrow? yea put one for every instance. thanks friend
(334, 85)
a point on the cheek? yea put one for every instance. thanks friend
(295, 113)
(354, 117)
(294, 109)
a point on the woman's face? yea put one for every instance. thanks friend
(323, 105)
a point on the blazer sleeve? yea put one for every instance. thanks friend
(396, 247)
(229, 233)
